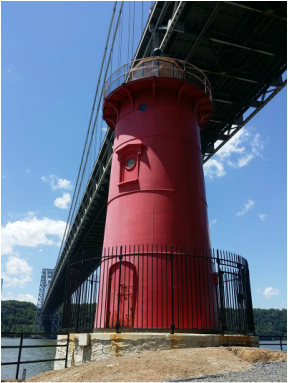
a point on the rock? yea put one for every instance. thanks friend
(253, 354)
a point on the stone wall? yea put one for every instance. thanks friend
(103, 345)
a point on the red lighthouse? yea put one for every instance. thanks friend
(157, 107)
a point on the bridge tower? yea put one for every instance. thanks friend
(157, 107)
(49, 322)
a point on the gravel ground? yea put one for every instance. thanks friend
(211, 364)
(260, 372)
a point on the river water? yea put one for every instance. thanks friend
(273, 345)
(11, 355)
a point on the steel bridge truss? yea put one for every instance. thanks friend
(40, 317)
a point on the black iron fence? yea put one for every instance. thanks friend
(163, 288)
(273, 340)
(23, 335)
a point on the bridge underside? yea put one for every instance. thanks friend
(240, 46)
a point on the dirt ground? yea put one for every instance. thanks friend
(164, 365)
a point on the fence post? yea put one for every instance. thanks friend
(24, 374)
(78, 296)
(184, 72)
(19, 355)
(249, 307)
(222, 309)
(119, 286)
(281, 343)
(67, 350)
(172, 298)
(240, 298)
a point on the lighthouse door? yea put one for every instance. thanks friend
(122, 297)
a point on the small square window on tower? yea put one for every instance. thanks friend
(128, 156)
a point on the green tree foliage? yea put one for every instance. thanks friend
(17, 316)
(270, 322)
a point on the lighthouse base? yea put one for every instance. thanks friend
(99, 346)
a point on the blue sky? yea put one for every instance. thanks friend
(51, 57)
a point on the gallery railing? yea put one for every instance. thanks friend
(163, 288)
(159, 67)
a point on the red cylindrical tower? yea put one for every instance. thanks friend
(157, 191)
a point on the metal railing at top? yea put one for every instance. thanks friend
(158, 287)
(21, 346)
(158, 67)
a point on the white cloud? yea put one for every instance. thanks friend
(19, 282)
(213, 222)
(16, 265)
(246, 207)
(214, 168)
(26, 298)
(31, 232)
(63, 184)
(233, 145)
(238, 152)
(263, 216)
(57, 183)
(19, 216)
(270, 292)
(245, 160)
(63, 202)
(20, 297)
(257, 145)
(17, 272)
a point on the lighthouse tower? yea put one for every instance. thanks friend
(157, 107)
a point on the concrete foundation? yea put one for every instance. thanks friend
(99, 346)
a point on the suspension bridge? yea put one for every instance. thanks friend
(241, 48)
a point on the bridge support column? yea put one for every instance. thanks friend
(50, 322)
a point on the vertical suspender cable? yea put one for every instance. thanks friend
(128, 24)
(133, 20)
(88, 131)
(141, 17)
(105, 76)
(100, 99)
(112, 52)
(120, 40)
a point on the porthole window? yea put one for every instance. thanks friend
(130, 163)
(142, 107)
(128, 157)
